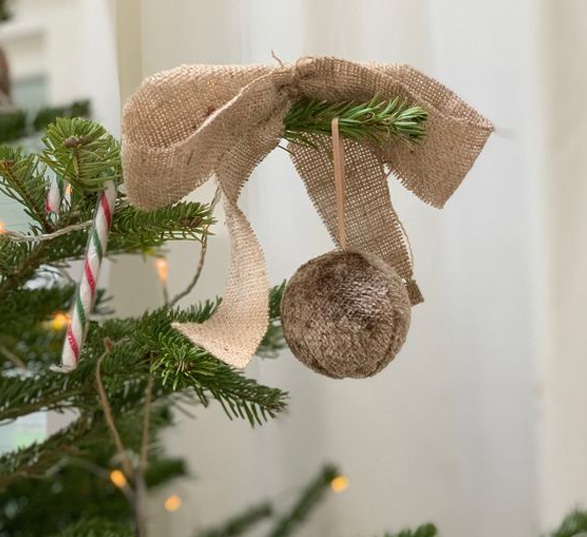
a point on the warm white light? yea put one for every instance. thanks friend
(173, 503)
(118, 478)
(162, 267)
(339, 483)
(2, 227)
(60, 321)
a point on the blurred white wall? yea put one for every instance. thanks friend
(72, 44)
(478, 425)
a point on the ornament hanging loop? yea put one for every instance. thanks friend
(339, 182)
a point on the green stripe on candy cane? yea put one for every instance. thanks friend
(86, 290)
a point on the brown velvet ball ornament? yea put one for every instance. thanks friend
(345, 314)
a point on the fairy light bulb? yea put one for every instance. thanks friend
(68, 189)
(60, 321)
(118, 478)
(162, 267)
(2, 227)
(339, 483)
(173, 503)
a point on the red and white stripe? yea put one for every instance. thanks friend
(54, 196)
(86, 291)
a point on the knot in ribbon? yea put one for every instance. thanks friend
(184, 125)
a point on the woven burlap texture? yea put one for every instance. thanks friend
(189, 123)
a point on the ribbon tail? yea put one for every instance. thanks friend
(455, 135)
(372, 224)
(234, 331)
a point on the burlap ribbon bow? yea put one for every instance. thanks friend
(189, 123)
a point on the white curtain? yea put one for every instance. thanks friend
(479, 425)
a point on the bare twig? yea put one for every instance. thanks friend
(146, 422)
(203, 251)
(18, 362)
(199, 269)
(165, 293)
(110, 419)
(23, 237)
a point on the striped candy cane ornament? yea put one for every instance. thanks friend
(54, 196)
(86, 291)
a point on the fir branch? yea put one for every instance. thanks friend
(241, 523)
(82, 153)
(376, 120)
(182, 365)
(24, 310)
(426, 530)
(573, 525)
(13, 125)
(177, 363)
(96, 527)
(20, 396)
(36, 346)
(308, 500)
(21, 180)
(37, 458)
(25, 395)
(5, 11)
(12, 256)
(275, 299)
(80, 487)
(85, 435)
(161, 470)
(273, 341)
(134, 230)
(18, 263)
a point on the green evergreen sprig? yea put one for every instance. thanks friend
(25, 308)
(82, 153)
(573, 525)
(273, 341)
(140, 344)
(13, 125)
(21, 180)
(181, 365)
(74, 486)
(82, 438)
(134, 230)
(97, 527)
(5, 11)
(242, 523)
(308, 500)
(426, 530)
(376, 121)
(36, 459)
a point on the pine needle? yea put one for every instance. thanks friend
(375, 121)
